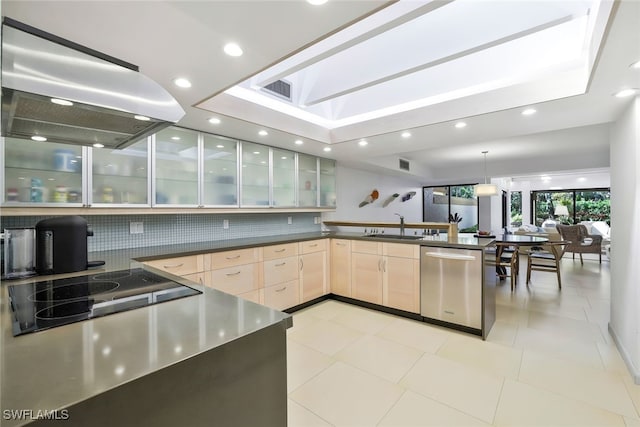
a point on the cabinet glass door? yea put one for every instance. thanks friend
(284, 178)
(328, 183)
(176, 167)
(121, 177)
(42, 172)
(255, 174)
(220, 182)
(307, 180)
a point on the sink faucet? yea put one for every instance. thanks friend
(401, 224)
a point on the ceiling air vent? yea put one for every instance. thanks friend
(403, 164)
(279, 88)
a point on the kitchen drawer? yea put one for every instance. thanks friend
(279, 251)
(366, 247)
(180, 266)
(401, 250)
(312, 246)
(235, 280)
(217, 260)
(282, 296)
(280, 270)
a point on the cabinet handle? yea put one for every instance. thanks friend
(233, 257)
(282, 289)
(379, 262)
(174, 265)
(301, 264)
(340, 244)
(200, 281)
(281, 264)
(233, 274)
(280, 250)
(384, 265)
(313, 245)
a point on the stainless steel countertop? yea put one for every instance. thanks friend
(55, 368)
(58, 367)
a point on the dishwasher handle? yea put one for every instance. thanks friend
(456, 257)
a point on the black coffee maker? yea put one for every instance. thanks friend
(61, 245)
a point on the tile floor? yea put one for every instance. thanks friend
(548, 361)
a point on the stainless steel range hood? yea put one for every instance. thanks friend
(66, 93)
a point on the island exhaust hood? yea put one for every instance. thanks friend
(55, 89)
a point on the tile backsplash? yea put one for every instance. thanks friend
(113, 231)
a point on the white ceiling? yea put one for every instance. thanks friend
(168, 39)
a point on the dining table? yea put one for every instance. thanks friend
(505, 241)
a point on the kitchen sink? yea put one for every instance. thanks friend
(396, 236)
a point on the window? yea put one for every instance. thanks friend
(581, 205)
(516, 209)
(439, 203)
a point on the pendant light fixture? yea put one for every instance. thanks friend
(485, 189)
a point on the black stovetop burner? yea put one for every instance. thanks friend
(42, 305)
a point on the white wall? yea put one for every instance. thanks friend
(353, 185)
(625, 236)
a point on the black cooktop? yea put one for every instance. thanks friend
(42, 305)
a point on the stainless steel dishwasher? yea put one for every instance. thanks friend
(451, 285)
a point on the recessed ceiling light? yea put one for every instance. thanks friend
(327, 149)
(529, 111)
(316, 2)
(263, 133)
(406, 134)
(38, 138)
(363, 143)
(175, 138)
(582, 179)
(284, 157)
(232, 49)
(61, 102)
(545, 178)
(214, 121)
(635, 65)
(625, 93)
(460, 125)
(264, 162)
(182, 82)
(299, 142)
(219, 146)
(555, 188)
(98, 145)
(141, 118)
(256, 152)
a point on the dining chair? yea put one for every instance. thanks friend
(507, 258)
(547, 258)
(580, 241)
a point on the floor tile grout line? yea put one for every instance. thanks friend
(404, 391)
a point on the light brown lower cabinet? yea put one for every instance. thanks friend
(387, 274)
(313, 269)
(340, 267)
(235, 280)
(180, 266)
(282, 296)
(382, 273)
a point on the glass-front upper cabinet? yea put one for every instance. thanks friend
(327, 183)
(120, 177)
(176, 167)
(307, 180)
(255, 174)
(220, 182)
(42, 172)
(284, 178)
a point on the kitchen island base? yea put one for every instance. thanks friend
(243, 383)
